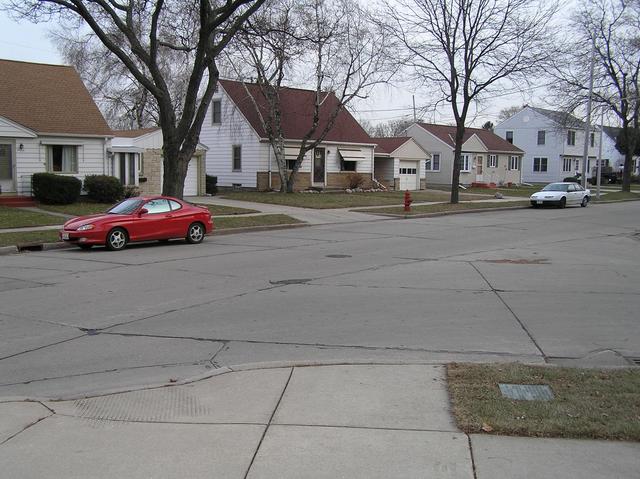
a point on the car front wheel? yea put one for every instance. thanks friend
(117, 239)
(585, 202)
(195, 233)
(563, 202)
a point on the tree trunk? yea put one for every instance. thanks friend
(457, 153)
(626, 171)
(291, 181)
(175, 165)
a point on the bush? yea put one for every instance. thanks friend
(103, 188)
(55, 189)
(355, 180)
(131, 191)
(211, 186)
(571, 179)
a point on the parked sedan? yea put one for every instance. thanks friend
(561, 195)
(142, 218)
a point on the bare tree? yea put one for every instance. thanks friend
(463, 49)
(328, 45)
(137, 32)
(488, 125)
(508, 112)
(611, 27)
(389, 128)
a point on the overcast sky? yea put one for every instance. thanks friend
(29, 42)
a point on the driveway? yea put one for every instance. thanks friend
(558, 286)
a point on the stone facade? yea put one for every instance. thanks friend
(152, 172)
(303, 181)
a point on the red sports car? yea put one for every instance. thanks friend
(142, 218)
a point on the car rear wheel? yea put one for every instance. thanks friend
(195, 233)
(585, 202)
(117, 239)
(563, 202)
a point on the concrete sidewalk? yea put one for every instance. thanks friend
(351, 421)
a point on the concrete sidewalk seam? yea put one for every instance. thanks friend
(471, 455)
(264, 433)
(28, 426)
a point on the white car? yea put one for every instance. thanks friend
(561, 195)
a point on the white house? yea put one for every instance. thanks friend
(135, 156)
(240, 155)
(400, 163)
(553, 143)
(48, 123)
(486, 158)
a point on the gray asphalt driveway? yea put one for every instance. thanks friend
(530, 285)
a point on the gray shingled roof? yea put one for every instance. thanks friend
(562, 118)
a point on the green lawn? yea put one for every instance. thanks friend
(80, 208)
(247, 221)
(525, 191)
(17, 218)
(589, 403)
(441, 208)
(617, 195)
(217, 210)
(340, 200)
(10, 239)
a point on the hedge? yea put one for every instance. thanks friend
(103, 188)
(54, 189)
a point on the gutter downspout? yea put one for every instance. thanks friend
(269, 172)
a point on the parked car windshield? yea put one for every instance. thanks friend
(126, 207)
(556, 187)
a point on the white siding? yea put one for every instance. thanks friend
(433, 145)
(220, 139)
(9, 129)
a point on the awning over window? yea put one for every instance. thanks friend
(291, 152)
(125, 149)
(351, 154)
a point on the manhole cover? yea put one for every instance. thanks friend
(291, 281)
(338, 256)
(526, 392)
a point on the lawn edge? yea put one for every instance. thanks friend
(444, 213)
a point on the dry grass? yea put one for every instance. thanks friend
(248, 221)
(588, 403)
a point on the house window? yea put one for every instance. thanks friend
(509, 137)
(237, 158)
(291, 164)
(514, 163)
(577, 165)
(465, 163)
(141, 164)
(216, 112)
(132, 169)
(566, 164)
(492, 162)
(541, 137)
(434, 163)
(539, 165)
(571, 137)
(62, 159)
(592, 139)
(348, 165)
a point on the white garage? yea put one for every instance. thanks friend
(400, 163)
(191, 180)
(408, 174)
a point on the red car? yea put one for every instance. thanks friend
(142, 218)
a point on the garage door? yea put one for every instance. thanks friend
(408, 175)
(191, 181)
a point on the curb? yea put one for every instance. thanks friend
(446, 213)
(249, 229)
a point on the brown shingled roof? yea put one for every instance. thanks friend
(492, 141)
(389, 144)
(134, 133)
(297, 112)
(48, 99)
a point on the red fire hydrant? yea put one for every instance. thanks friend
(407, 201)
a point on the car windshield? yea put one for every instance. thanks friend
(126, 207)
(556, 187)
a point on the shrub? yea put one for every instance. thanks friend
(211, 185)
(103, 188)
(355, 180)
(572, 179)
(55, 189)
(130, 191)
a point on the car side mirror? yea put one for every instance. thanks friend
(143, 211)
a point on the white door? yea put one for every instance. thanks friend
(409, 175)
(191, 180)
(6, 167)
(479, 168)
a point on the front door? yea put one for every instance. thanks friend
(318, 166)
(6, 167)
(479, 168)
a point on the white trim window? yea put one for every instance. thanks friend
(492, 162)
(237, 158)
(540, 165)
(542, 137)
(509, 136)
(514, 162)
(566, 164)
(465, 163)
(62, 159)
(571, 137)
(433, 164)
(216, 112)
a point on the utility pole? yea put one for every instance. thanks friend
(415, 118)
(587, 126)
(600, 156)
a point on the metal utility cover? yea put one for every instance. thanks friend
(526, 392)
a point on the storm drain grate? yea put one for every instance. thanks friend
(338, 256)
(526, 392)
(291, 281)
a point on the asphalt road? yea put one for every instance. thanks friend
(560, 286)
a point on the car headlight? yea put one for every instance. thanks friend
(86, 227)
